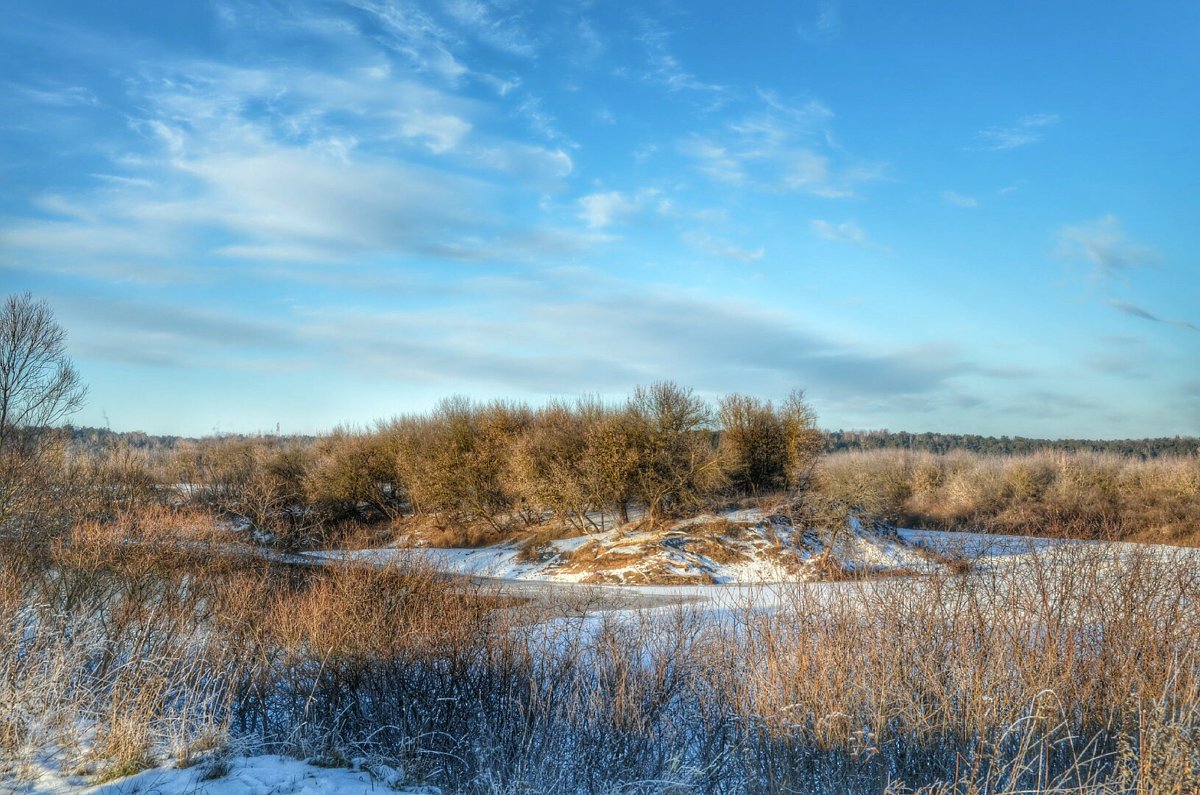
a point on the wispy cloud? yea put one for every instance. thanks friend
(562, 332)
(781, 146)
(716, 247)
(1103, 244)
(844, 232)
(714, 160)
(1026, 130)
(714, 345)
(665, 69)
(415, 35)
(305, 163)
(1132, 310)
(599, 210)
(958, 199)
(503, 31)
(540, 120)
(825, 25)
(441, 132)
(63, 97)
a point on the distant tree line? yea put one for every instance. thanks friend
(94, 440)
(99, 439)
(863, 441)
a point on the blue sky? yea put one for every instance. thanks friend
(964, 217)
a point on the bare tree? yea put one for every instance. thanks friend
(39, 388)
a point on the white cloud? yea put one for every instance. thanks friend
(714, 160)
(807, 170)
(606, 208)
(441, 132)
(67, 96)
(715, 247)
(502, 32)
(61, 206)
(844, 232)
(824, 26)
(599, 210)
(1103, 244)
(778, 124)
(958, 199)
(1026, 130)
(301, 162)
(589, 43)
(665, 69)
(539, 119)
(781, 146)
(416, 36)
(537, 163)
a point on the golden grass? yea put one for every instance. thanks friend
(1077, 495)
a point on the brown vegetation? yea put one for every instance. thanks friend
(470, 474)
(1074, 671)
(1075, 495)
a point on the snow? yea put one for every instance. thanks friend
(736, 547)
(246, 775)
(976, 545)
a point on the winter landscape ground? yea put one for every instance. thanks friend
(1013, 568)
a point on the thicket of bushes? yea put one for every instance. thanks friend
(477, 471)
(1077, 495)
(470, 473)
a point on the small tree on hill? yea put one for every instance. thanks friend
(803, 441)
(39, 388)
(677, 463)
(754, 445)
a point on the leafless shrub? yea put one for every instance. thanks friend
(353, 475)
(1072, 495)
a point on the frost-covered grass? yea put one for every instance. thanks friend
(1069, 668)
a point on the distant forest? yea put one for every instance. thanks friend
(1007, 445)
(835, 441)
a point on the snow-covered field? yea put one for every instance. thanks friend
(245, 775)
(739, 547)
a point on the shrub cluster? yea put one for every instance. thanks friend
(470, 473)
(1077, 495)
(480, 471)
